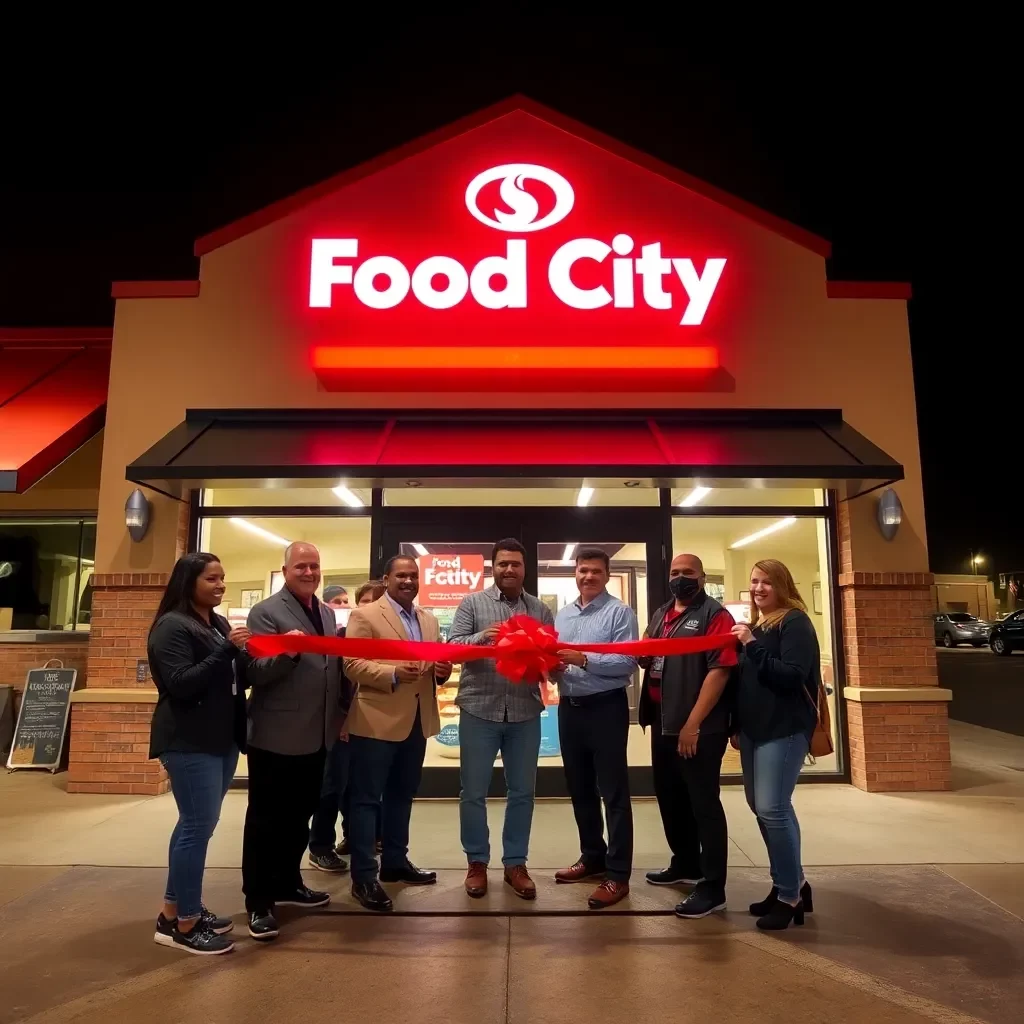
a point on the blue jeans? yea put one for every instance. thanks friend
(770, 771)
(479, 744)
(198, 782)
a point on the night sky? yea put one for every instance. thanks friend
(115, 165)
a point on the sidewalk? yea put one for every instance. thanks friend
(918, 916)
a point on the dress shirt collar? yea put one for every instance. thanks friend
(602, 599)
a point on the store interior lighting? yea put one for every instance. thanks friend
(584, 496)
(258, 531)
(774, 528)
(420, 549)
(698, 494)
(568, 553)
(349, 497)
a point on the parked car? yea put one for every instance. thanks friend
(1008, 636)
(953, 628)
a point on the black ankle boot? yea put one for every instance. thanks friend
(762, 908)
(779, 917)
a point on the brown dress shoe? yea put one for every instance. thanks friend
(522, 884)
(607, 894)
(579, 872)
(476, 879)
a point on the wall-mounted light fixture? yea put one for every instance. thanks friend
(136, 515)
(890, 513)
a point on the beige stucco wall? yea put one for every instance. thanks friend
(245, 342)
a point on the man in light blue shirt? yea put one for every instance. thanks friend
(593, 730)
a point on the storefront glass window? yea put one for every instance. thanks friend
(45, 568)
(294, 493)
(607, 493)
(745, 493)
(730, 545)
(252, 551)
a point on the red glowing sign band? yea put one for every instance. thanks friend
(521, 357)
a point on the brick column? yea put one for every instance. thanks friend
(899, 733)
(110, 717)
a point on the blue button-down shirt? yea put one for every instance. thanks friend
(409, 619)
(411, 622)
(604, 620)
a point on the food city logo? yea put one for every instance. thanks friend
(499, 282)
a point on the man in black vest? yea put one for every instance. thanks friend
(683, 700)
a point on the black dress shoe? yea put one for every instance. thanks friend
(372, 896)
(303, 896)
(762, 908)
(409, 874)
(262, 925)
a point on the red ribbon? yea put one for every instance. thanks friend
(525, 650)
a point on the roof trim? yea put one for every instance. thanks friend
(869, 290)
(55, 337)
(283, 207)
(154, 289)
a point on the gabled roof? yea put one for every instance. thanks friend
(269, 214)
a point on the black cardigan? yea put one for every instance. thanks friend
(780, 672)
(193, 667)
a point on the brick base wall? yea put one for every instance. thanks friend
(889, 642)
(17, 659)
(896, 747)
(110, 751)
(110, 742)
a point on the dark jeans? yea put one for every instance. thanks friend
(382, 769)
(335, 797)
(593, 732)
(198, 782)
(689, 798)
(283, 793)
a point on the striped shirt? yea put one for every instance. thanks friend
(484, 693)
(604, 620)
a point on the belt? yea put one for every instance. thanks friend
(593, 699)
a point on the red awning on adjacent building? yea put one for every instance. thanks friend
(53, 398)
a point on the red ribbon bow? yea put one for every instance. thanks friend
(525, 650)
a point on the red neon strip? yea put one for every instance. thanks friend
(520, 357)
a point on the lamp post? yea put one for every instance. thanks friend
(976, 560)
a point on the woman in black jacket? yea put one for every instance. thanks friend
(197, 732)
(776, 706)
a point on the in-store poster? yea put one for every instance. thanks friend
(446, 579)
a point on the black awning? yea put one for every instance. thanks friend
(221, 448)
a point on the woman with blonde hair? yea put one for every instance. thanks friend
(780, 676)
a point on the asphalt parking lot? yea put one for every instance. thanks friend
(987, 690)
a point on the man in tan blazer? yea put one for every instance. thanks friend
(392, 714)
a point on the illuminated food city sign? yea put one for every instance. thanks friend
(629, 274)
(520, 256)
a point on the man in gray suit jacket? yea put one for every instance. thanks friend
(293, 721)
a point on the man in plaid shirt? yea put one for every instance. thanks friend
(497, 716)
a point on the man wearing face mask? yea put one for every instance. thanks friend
(685, 703)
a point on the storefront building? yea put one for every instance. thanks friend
(519, 327)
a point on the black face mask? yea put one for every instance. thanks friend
(684, 587)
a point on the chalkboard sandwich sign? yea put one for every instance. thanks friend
(43, 719)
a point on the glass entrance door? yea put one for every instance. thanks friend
(453, 549)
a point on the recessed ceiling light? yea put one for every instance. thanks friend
(568, 552)
(774, 528)
(413, 483)
(583, 496)
(420, 549)
(349, 497)
(631, 483)
(258, 531)
(696, 495)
